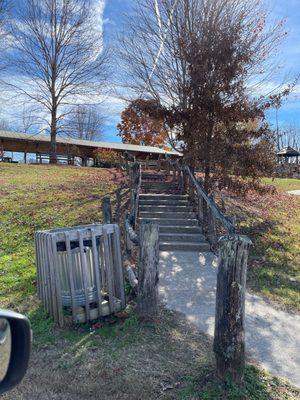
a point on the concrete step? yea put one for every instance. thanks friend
(163, 214)
(163, 202)
(172, 221)
(165, 208)
(184, 246)
(159, 183)
(171, 229)
(162, 196)
(181, 237)
(161, 191)
(155, 186)
(152, 177)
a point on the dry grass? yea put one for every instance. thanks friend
(272, 221)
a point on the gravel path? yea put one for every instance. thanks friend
(295, 192)
(188, 284)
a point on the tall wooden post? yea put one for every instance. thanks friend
(106, 211)
(118, 204)
(229, 340)
(147, 299)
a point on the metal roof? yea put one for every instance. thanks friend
(289, 152)
(87, 143)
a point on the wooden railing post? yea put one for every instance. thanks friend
(147, 299)
(200, 210)
(106, 211)
(118, 204)
(229, 340)
(159, 162)
(211, 226)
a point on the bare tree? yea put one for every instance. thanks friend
(4, 125)
(4, 32)
(85, 122)
(290, 136)
(197, 59)
(60, 57)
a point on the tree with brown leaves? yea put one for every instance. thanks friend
(138, 127)
(199, 65)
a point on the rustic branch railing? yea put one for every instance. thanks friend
(213, 221)
(135, 174)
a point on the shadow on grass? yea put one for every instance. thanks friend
(257, 386)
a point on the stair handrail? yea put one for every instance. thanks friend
(216, 211)
(207, 209)
(137, 194)
(135, 176)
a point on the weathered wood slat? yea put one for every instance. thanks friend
(97, 269)
(108, 270)
(57, 291)
(71, 276)
(118, 270)
(84, 274)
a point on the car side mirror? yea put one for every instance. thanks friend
(15, 347)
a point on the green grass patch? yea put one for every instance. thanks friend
(283, 183)
(272, 221)
(35, 198)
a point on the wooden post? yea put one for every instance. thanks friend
(118, 204)
(147, 299)
(211, 228)
(159, 162)
(106, 211)
(229, 340)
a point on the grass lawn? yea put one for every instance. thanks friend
(273, 223)
(118, 357)
(283, 184)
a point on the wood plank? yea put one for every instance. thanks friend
(109, 270)
(57, 283)
(96, 265)
(119, 266)
(84, 274)
(71, 269)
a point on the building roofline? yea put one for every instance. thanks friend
(87, 143)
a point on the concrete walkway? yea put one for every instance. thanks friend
(295, 192)
(188, 285)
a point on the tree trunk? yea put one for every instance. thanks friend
(207, 161)
(229, 340)
(53, 155)
(147, 299)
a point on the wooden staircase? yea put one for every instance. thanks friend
(162, 201)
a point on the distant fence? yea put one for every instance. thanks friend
(80, 272)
